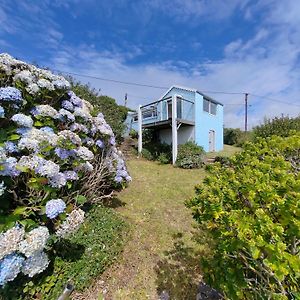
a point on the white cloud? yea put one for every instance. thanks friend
(265, 64)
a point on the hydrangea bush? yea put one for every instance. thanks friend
(50, 142)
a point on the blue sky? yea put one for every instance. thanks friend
(229, 45)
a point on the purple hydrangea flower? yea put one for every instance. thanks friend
(55, 207)
(67, 105)
(100, 144)
(10, 267)
(58, 180)
(63, 153)
(10, 94)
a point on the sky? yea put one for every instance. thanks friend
(239, 46)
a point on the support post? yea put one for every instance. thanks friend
(246, 112)
(140, 133)
(174, 128)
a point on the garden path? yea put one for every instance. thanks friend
(160, 255)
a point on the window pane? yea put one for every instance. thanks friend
(147, 114)
(205, 105)
(213, 108)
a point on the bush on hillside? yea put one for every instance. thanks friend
(190, 156)
(251, 209)
(114, 114)
(164, 158)
(236, 137)
(280, 126)
(133, 134)
(52, 144)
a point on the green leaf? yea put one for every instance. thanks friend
(14, 137)
(80, 199)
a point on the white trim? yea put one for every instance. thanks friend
(174, 129)
(140, 133)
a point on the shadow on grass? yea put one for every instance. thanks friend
(178, 274)
(113, 202)
(68, 250)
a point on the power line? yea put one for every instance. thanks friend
(113, 80)
(163, 87)
(274, 100)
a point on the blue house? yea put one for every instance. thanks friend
(181, 115)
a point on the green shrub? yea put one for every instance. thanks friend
(147, 154)
(234, 136)
(281, 126)
(133, 134)
(251, 210)
(164, 158)
(161, 152)
(96, 242)
(190, 156)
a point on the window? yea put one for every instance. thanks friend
(213, 108)
(135, 118)
(209, 106)
(206, 105)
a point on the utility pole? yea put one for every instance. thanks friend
(125, 100)
(246, 112)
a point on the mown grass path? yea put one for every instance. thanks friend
(160, 254)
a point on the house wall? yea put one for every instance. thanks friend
(185, 134)
(204, 122)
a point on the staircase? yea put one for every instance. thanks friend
(127, 147)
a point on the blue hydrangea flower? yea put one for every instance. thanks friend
(11, 147)
(74, 99)
(22, 130)
(63, 153)
(70, 175)
(112, 141)
(10, 267)
(100, 144)
(128, 178)
(55, 207)
(67, 105)
(118, 179)
(122, 173)
(2, 112)
(10, 94)
(10, 167)
(47, 129)
(22, 120)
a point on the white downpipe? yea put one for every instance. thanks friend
(140, 133)
(174, 128)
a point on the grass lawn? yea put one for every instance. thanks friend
(227, 151)
(160, 254)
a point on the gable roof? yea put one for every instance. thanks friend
(190, 90)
